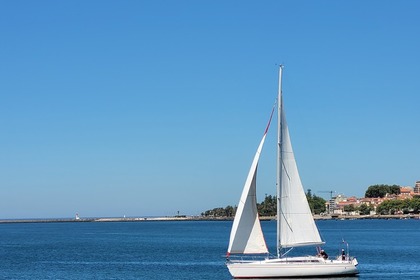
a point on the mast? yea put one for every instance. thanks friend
(279, 159)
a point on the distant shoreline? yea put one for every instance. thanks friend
(193, 218)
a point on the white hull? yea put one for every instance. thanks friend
(292, 267)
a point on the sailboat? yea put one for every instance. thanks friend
(248, 255)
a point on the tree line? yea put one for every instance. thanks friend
(392, 207)
(382, 190)
(268, 207)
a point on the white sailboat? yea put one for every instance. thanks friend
(295, 223)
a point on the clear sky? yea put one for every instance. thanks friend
(139, 108)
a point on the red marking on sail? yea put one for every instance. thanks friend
(269, 121)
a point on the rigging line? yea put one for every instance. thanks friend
(282, 212)
(287, 172)
(287, 222)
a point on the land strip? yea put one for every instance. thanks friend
(192, 218)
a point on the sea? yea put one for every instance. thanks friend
(385, 249)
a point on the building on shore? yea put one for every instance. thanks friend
(342, 205)
(406, 192)
(417, 188)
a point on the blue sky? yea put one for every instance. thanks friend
(139, 108)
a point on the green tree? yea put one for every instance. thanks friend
(228, 211)
(382, 190)
(365, 209)
(415, 205)
(268, 207)
(316, 203)
(391, 207)
(349, 208)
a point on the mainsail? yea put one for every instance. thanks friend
(296, 224)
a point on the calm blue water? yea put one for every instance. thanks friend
(386, 249)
